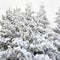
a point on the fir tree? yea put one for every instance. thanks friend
(57, 29)
(41, 16)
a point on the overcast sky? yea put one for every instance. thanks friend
(51, 6)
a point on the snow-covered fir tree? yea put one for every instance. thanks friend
(41, 16)
(57, 29)
(24, 36)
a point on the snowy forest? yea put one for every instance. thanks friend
(27, 35)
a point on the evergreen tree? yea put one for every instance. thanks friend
(57, 29)
(41, 16)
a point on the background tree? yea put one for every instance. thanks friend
(41, 16)
(57, 29)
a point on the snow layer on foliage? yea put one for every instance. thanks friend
(24, 36)
(41, 57)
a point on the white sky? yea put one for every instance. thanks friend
(51, 6)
